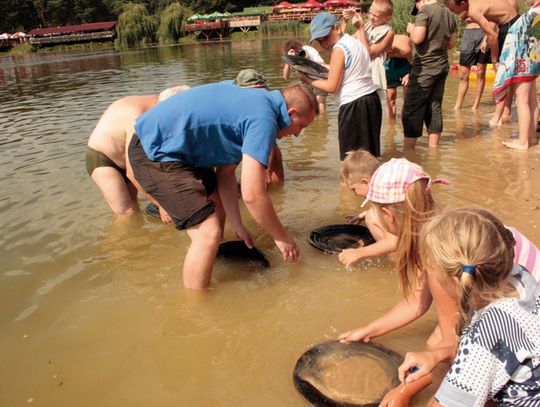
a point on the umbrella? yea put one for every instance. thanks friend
(337, 3)
(18, 34)
(311, 4)
(284, 5)
(194, 17)
(5, 36)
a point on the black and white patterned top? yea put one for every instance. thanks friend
(499, 352)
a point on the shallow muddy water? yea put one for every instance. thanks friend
(92, 310)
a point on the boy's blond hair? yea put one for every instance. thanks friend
(358, 165)
(470, 237)
(386, 6)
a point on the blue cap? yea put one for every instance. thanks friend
(321, 25)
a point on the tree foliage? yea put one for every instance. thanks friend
(171, 23)
(135, 26)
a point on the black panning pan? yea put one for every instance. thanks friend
(306, 66)
(335, 238)
(310, 370)
(237, 250)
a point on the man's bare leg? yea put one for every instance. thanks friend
(115, 190)
(201, 255)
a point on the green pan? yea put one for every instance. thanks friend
(311, 367)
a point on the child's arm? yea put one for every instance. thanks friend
(401, 395)
(424, 362)
(376, 49)
(286, 67)
(335, 74)
(383, 246)
(407, 310)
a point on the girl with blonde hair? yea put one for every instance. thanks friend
(470, 253)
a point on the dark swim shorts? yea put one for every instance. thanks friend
(470, 52)
(95, 159)
(396, 69)
(180, 189)
(503, 30)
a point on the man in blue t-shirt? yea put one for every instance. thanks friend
(185, 151)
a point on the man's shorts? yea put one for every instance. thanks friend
(95, 159)
(396, 69)
(503, 30)
(470, 52)
(180, 189)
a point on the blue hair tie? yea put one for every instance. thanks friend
(465, 268)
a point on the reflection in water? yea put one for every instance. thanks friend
(91, 307)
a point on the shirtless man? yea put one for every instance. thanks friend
(485, 13)
(106, 149)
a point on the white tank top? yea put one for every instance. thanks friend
(357, 80)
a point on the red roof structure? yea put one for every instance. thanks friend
(72, 29)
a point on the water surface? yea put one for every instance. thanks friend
(92, 312)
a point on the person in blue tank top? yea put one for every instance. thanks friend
(185, 151)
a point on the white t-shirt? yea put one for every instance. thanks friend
(357, 80)
(312, 54)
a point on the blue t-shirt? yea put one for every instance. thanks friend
(213, 125)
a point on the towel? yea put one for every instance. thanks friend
(519, 60)
(375, 34)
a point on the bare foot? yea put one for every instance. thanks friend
(516, 145)
(474, 108)
(456, 107)
(506, 119)
(495, 123)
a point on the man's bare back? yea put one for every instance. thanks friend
(116, 124)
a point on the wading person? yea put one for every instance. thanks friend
(106, 149)
(185, 151)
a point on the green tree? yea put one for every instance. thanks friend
(171, 25)
(135, 26)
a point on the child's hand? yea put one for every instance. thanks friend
(165, 217)
(410, 27)
(405, 80)
(422, 362)
(358, 21)
(348, 13)
(356, 219)
(245, 235)
(349, 256)
(359, 334)
(291, 52)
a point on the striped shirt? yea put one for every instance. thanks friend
(499, 352)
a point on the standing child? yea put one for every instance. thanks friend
(295, 47)
(349, 77)
(517, 75)
(398, 68)
(376, 35)
(433, 33)
(470, 253)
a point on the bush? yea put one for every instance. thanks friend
(294, 27)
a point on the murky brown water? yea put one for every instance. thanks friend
(91, 310)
